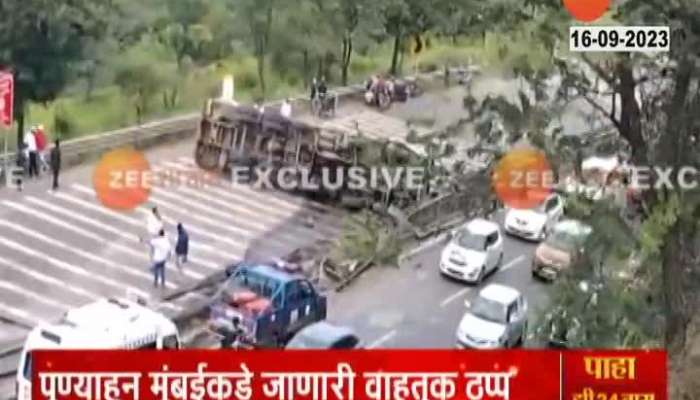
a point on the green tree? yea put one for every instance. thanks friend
(42, 41)
(142, 73)
(258, 17)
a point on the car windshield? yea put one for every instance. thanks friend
(468, 240)
(489, 310)
(562, 240)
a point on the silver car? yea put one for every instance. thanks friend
(497, 318)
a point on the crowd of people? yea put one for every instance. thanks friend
(34, 156)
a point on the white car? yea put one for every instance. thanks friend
(497, 318)
(474, 251)
(536, 223)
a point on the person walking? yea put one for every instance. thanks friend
(160, 252)
(181, 247)
(55, 161)
(30, 142)
(154, 222)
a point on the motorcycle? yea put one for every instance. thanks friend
(378, 98)
(324, 105)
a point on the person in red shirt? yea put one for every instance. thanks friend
(41, 145)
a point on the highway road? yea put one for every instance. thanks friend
(414, 306)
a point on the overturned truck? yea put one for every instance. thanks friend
(300, 157)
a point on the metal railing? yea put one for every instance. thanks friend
(77, 151)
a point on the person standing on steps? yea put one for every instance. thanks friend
(30, 143)
(55, 161)
(160, 252)
(181, 247)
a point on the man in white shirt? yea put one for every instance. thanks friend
(160, 252)
(30, 142)
(286, 109)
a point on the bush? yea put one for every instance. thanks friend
(64, 127)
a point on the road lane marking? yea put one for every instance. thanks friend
(276, 196)
(141, 224)
(236, 193)
(281, 241)
(512, 263)
(70, 268)
(102, 225)
(102, 240)
(390, 335)
(292, 221)
(454, 297)
(21, 314)
(259, 204)
(81, 253)
(247, 236)
(50, 280)
(24, 292)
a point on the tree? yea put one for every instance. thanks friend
(354, 18)
(652, 103)
(41, 41)
(257, 15)
(142, 72)
(185, 34)
(403, 19)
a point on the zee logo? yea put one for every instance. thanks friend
(587, 10)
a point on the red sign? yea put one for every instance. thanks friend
(7, 93)
(347, 375)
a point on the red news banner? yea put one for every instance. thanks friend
(360, 375)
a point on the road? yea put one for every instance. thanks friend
(414, 306)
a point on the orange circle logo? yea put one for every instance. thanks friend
(523, 178)
(587, 10)
(121, 179)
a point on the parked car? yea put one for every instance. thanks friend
(563, 248)
(324, 335)
(474, 251)
(535, 224)
(497, 318)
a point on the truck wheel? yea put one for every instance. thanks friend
(207, 156)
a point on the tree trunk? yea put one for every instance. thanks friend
(261, 72)
(677, 259)
(305, 54)
(630, 115)
(90, 79)
(395, 55)
(347, 55)
(20, 129)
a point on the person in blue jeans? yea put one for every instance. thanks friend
(160, 252)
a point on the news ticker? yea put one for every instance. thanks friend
(335, 375)
(619, 38)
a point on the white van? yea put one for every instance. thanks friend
(104, 324)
